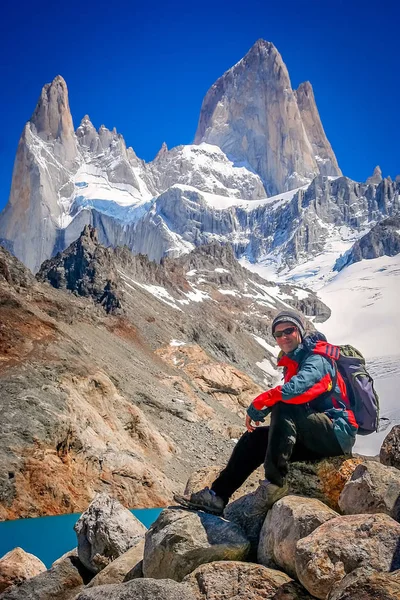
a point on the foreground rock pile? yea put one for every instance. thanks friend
(332, 538)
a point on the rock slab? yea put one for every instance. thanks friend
(105, 531)
(243, 581)
(118, 569)
(373, 488)
(16, 566)
(390, 449)
(343, 544)
(364, 584)
(140, 589)
(63, 581)
(289, 520)
(180, 541)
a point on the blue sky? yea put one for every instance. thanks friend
(145, 68)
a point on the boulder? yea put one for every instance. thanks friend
(343, 544)
(243, 581)
(322, 479)
(62, 582)
(105, 531)
(118, 569)
(16, 566)
(140, 589)
(390, 449)
(366, 584)
(180, 541)
(373, 488)
(241, 512)
(289, 520)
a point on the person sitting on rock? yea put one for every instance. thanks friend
(310, 419)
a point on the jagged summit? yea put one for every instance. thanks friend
(162, 151)
(323, 153)
(52, 116)
(259, 177)
(376, 176)
(252, 114)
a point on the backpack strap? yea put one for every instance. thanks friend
(331, 393)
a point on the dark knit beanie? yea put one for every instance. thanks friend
(289, 316)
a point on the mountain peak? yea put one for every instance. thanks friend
(252, 113)
(162, 151)
(262, 45)
(263, 56)
(376, 176)
(52, 116)
(305, 88)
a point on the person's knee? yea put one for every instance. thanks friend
(254, 438)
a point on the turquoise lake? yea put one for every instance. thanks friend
(48, 538)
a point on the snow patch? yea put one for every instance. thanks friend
(177, 343)
(274, 350)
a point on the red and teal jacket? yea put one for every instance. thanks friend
(311, 378)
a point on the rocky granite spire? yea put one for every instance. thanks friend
(376, 176)
(323, 153)
(52, 119)
(41, 180)
(252, 114)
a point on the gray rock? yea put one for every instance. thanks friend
(243, 581)
(180, 540)
(390, 449)
(343, 544)
(136, 572)
(105, 531)
(121, 569)
(289, 520)
(373, 488)
(62, 582)
(367, 584)
(376, 176)
(140, 589)
(240, 512)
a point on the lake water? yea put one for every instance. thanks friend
(48, 538)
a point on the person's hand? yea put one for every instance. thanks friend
(249, 426)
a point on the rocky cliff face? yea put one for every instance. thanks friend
(323, 153)
(383, 239)
(127, 401)
(47, 152)
(253, 114)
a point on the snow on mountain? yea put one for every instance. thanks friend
(364, 299)
(207, 168)
(311, 271)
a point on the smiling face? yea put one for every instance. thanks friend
(288, 341)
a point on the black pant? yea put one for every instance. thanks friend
(296, 433)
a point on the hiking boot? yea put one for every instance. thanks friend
(203, 500)
(265, 496)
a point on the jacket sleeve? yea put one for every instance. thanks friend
(312, 380)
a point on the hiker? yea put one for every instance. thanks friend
(310, 419)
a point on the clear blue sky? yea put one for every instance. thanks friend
(144, 67)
